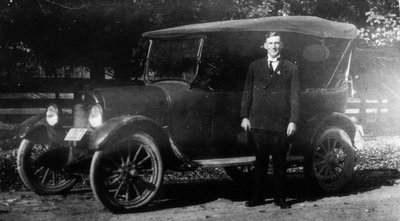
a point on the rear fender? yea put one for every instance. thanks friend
(333, 120)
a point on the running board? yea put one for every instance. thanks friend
(224, 162)
(237, 161)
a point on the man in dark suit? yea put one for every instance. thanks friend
(270, 111)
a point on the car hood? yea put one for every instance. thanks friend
(147, 100)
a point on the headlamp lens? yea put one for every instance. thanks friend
(96, 116)
(52, 115)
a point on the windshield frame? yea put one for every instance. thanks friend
(198, 60)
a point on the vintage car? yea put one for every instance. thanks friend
(186, 113)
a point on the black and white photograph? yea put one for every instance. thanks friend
(175, 110)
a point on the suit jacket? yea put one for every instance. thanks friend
(270, 98)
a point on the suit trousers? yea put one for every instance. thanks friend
(275, 144)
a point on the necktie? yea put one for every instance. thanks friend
(270, 66)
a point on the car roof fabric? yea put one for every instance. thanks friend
(308, 25)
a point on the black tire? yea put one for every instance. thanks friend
(331, 164)
(244, 173)
(127, 175)
(41, 177)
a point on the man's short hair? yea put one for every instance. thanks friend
(271, 34)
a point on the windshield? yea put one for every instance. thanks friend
(173, 59)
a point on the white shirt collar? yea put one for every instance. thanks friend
(275, 59)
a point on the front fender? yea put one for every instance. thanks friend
(112, 130)
(28, 125)
(36, 128)
(115, 126)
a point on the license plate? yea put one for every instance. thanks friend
(75, 134)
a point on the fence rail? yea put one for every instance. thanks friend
(14, 111)
(20, 101)
(368, 110)
(18, 104)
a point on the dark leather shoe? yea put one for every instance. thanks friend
(253, 203)
(281, 203)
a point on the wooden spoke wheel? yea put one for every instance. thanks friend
(333, 160)
(127, 175)
(40, 167)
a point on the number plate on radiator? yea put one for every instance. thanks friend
(75, 134)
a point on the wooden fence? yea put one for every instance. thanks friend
(368, 110)
(21, 102)
(17, 107)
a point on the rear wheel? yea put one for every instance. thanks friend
(127, 175)
(332, 161)
(40, 167)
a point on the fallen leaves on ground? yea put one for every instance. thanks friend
(381, 152)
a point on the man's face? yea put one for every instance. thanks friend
(273, 45)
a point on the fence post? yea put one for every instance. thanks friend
(363, 110)
(379, 110)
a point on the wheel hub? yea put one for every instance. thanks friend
(133, 172)
(128, 170)
(331, 160)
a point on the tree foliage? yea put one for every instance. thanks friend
(42, 35)
(383, 26)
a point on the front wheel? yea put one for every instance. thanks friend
(128, 175)
(332, 161)
(40, 167)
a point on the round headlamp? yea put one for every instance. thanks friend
(52, 115)
(96, 116)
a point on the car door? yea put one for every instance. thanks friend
(225, 59)
(228, 138)
(192, 110)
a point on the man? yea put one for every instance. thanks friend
(270, 110)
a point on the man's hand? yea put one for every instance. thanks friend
(245, 124)
(291, 129)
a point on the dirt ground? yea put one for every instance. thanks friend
(371, 195)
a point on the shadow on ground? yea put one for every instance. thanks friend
(202, 191)
(299, 189)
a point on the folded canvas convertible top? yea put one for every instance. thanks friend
(298, 24)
